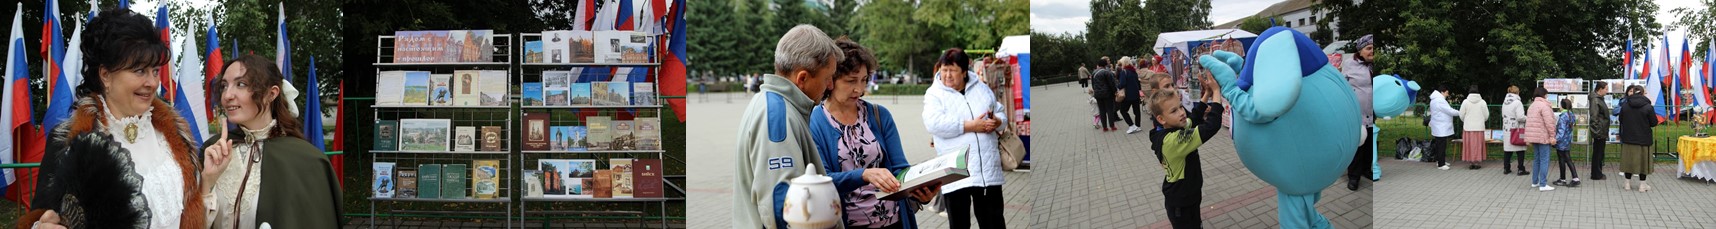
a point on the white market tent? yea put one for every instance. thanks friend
(1184, 39)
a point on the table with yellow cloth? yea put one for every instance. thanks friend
(1698, 157)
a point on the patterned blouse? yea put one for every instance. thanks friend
(860, 149)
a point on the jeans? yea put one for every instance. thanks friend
(1540, 160)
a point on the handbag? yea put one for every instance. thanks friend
(1516, 136)
(1012, 149)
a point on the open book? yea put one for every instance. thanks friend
(940, 170)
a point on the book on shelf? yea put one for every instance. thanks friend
(386, 135)
(532, 180)
(599, 135)
(623, 137)
(617, 94)
(533, 52)
(939, 170)
(579, 138)
(635, 49)
(582, 47)
(416, 88)
(453, 179)
(590, 185)
(383, 184)
(532, 93)
(557, 42)
(389, 88)
(553, 176)
(424, 134)
(648, 133)
(440, 89)
(581, 169)
(492, 138)
(563, 178)
(555, 87)
(581, 94)
(429, 181)
(465, 88)
(622, 169)
(493, 89)
(419, 46)
(452, 51)
(478, 46)
(646, 178)
(615, 47)
(407, 183)
(485, 178)
(643, 94)
(560, 139)
(536, 130)
(465, 138)
(603, 184)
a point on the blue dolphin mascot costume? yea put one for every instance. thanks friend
(1390, 95)
(1285, 95)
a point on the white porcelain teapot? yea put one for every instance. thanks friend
(811, 201)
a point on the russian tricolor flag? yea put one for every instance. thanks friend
(673, 68)
(14, 102)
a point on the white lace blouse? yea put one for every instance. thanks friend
(220, 200)
(163, 184)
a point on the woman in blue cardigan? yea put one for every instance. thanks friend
(861, 148)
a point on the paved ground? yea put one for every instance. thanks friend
(1415, 195)
(710, 171)
(1090, 179)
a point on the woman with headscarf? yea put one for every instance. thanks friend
(1358, 74)
(124, 159)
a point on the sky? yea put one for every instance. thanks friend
(1069, 16)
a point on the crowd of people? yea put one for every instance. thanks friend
(1548, 132)
(812, 111)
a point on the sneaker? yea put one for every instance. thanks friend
(1545, 188)
(1444, 167)
(1559, 183)
(1506, 171)
(1133, 129)
(1575, 183)
(1644, 187)
(1474, 167)
(1627, 185)
(1523, 173)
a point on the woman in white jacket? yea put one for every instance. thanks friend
(1441, 125)
(1474, 111)
(962, 114)
(1513, 117)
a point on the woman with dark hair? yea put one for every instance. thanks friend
(263, 172)
(1540, 133)
(962, 114)
(860, 147)
(124, 159)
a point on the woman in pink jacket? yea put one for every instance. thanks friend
(1540, 133)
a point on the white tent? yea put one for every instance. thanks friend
(1183, 39)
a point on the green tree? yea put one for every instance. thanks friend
(1254, 24)
(1494, 44)
(1697, 22)
(897, 39)
(712, 44)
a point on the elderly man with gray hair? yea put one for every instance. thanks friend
(774, 133)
